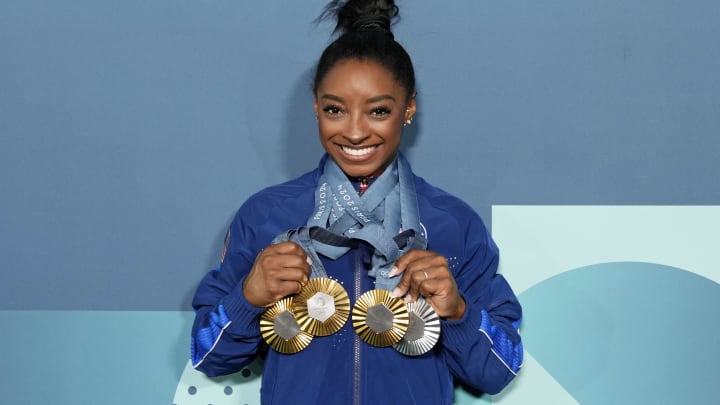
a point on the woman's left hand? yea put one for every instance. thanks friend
(426, 274)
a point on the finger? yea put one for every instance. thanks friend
(436, 287)
(402, 287)
(272, 260)
(296, 257)
(408, 284)
(282, 289)
(292, 274)
(287, 248)
(428, 289)
(445, 300)
(421, 284)
(422, 271)
(430, 276)
(411, 256)
(409, 264)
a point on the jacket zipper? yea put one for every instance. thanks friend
(356, 339)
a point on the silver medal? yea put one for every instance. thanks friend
(423, 329)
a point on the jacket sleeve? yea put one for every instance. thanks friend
(483, 349)
(226, 331)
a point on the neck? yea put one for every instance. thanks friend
(364, 181)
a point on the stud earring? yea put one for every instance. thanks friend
(408, 121)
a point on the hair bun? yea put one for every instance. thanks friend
(362, 15)
(364, 28)
(371, 23)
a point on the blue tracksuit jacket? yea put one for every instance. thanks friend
(483, 349)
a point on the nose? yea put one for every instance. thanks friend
(356, 131)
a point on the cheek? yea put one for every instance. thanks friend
(326, 130)
(389, 129)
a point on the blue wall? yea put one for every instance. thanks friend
(131, 131)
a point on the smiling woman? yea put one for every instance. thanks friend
(361, 111)
(414, 265)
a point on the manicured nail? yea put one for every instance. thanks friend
(308, 260)
(394, 271)
(396, 292)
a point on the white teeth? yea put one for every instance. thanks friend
(358, 152)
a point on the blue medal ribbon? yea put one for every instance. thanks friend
(386, 216)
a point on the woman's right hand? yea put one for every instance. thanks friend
(279, 270)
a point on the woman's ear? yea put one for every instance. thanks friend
(411, 108)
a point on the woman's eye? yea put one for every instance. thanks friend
(380, 111)
(332, 110)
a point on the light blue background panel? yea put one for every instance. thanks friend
(131, 131)
(92, 357)
(644, 329)
(619, 302)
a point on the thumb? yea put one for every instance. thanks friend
(402, 287)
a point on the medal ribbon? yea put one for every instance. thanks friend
(386, 216)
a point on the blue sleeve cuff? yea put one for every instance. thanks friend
(462, 332)
(245, 317)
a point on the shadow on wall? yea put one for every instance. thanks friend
(300, 153)
(302, 149)
(411, 133)
(212, 261)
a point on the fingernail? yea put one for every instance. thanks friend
(308, 260)
(394, 271)
(396, 292)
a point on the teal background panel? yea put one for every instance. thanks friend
(627, 333)
(92, 357)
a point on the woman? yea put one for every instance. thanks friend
(365, 221)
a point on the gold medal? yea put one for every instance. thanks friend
(322, 307)
(379, 319)
(280, 329)
(423, 330)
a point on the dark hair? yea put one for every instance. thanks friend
(365, 35)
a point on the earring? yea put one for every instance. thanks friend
(408, 122)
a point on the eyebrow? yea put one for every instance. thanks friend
(380, 98)
(374, 99)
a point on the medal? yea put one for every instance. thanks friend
(379, 319)
(322, 307)
(280, 329)
(423, 330)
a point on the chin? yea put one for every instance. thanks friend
(357, 172)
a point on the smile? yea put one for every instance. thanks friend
(358, 152)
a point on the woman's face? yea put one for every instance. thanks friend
(361, 110)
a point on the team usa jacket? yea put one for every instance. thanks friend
(482, 350)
